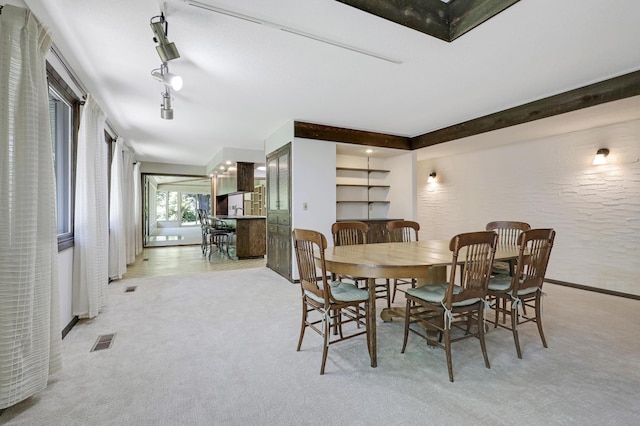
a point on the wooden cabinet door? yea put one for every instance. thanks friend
(279, 211)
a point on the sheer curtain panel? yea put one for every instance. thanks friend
(29, 321)
(117, 225)
(91, 250)
(129, 206)
(137, 197)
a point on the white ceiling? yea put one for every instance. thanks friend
(243, 81)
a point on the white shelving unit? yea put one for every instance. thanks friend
(361, 193)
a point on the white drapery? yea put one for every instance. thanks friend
(122, 211)
(29, 319)
(117, 226)
(91, 248)
(137, 197)
(129, 204)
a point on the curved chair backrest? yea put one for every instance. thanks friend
(474, 252)
(349, 233)
(307, 244)
(402, 231)
(508, 231)
(535, 250)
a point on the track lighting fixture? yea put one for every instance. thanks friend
(166, 112)
(163, 75)
(166, 49)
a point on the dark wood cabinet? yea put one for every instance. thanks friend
(250, 238)
(279, 211)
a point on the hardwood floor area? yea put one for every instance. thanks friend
(179, 260)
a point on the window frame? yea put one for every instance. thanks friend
(56, 82)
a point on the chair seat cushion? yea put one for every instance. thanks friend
(499, 282)
(436, 293)
(346, 292)
(342, 292)
(503, 282)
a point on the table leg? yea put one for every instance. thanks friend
(371, 322)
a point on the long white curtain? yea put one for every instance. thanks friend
(122, 211)
(117, 225)
(91, 248)
(129, 204)
(137, 197)
(29, 319)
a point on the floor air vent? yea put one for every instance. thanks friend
(130, 289)
(104, 342)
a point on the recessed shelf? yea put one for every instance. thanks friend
(363, 185)
(362, 202)
(355, 169)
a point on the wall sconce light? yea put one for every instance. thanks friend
(432, 177)
(601, 157)
(166, 50)
(163, 75)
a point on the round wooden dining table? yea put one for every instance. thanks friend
(426, 261)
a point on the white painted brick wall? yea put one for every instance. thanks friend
(549, 182)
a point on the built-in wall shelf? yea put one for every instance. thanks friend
(366, 187)
(356, 169)
(363, 202)
(363, 186)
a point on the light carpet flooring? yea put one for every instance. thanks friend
(218, 348)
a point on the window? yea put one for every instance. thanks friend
(63, 115)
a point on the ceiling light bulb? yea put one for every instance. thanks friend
(170, 80)
(175, 81)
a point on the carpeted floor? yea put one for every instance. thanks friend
(218, 348)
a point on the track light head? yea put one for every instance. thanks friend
(166, 50)
(168, 79)
(166, 111)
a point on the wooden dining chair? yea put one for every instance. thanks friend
(402, 231)
(326, 303)
(508, 233)
(351, 233)
(447, 306)
(524, 288)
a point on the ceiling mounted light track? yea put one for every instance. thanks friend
(284, 28)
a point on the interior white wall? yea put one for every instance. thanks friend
(549, 182)
(171, 169)
(403, 192)
(313, 181)
(279, 138)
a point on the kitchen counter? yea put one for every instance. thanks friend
(243, 217)
(251, 235)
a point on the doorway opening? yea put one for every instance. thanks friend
(170, 204)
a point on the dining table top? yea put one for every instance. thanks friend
(392, 260)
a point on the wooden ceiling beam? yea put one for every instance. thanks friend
(614, 89)
(446, 21)
(624, 86)
(465, 15)
(358, 137)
